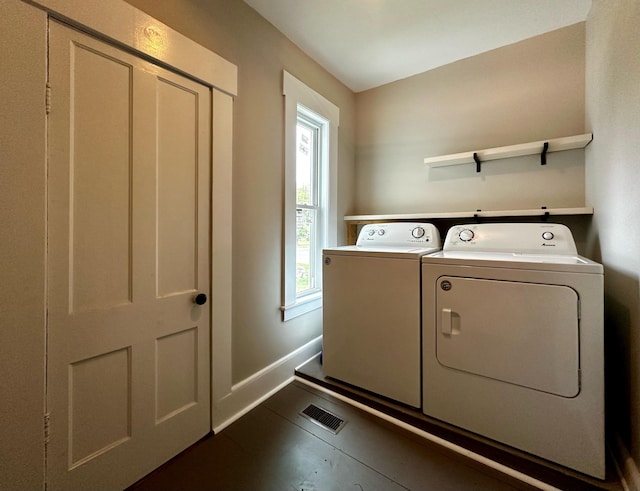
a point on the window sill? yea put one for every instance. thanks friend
(302, 306)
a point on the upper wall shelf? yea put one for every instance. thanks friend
(540, 147)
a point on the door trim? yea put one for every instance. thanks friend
(125, 25)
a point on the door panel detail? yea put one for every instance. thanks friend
(177, 365)
(100, 181)
(521, 333)
(100, 404)
(177, 162)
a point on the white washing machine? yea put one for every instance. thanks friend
(513, 341)
(371, 309)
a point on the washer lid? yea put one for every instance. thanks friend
(397, 252)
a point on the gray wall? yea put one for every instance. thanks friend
(529, 91)
(236, 32)
(613, 183)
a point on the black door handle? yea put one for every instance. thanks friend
(200, 299)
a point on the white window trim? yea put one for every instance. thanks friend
(297, 93)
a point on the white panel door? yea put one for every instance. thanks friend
(128, 250)
(521, 333)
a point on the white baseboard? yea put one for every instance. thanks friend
(251, 391)
(625, 466)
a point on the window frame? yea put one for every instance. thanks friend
(297, 94)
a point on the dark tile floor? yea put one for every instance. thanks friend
(274, 448)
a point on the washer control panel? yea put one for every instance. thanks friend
(516, 238)
(399, 234)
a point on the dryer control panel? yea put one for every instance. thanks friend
(516, 238)
(399, 234)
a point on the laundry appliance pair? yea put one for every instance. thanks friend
(499, 333)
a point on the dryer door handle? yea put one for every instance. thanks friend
(446, 322)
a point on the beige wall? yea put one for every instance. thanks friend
(22, 246)
(613, 181)
(233, 30)
(532, 90)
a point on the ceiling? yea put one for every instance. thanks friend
(367, 43)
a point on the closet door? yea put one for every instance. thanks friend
(128, 251)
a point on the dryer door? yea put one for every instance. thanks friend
(520, 333)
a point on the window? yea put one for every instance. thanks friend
(310, 221)
(310, 202)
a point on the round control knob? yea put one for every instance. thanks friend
(381, 231)
(547, 235)
(465, 235)
(418, 233)
(200, 299)
(372, 231)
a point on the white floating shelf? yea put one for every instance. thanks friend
(472, 214)
(533, 148)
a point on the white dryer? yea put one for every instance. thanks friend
(371, 309)
(513, 340)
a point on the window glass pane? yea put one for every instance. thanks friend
(305, 249)
(304, 164)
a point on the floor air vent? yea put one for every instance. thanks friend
(323, 418)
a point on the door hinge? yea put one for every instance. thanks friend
(47, 98)
(46, 428)
(46, 447)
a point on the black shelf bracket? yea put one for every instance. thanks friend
(543, 155)
(545, 216)
(477, 159)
